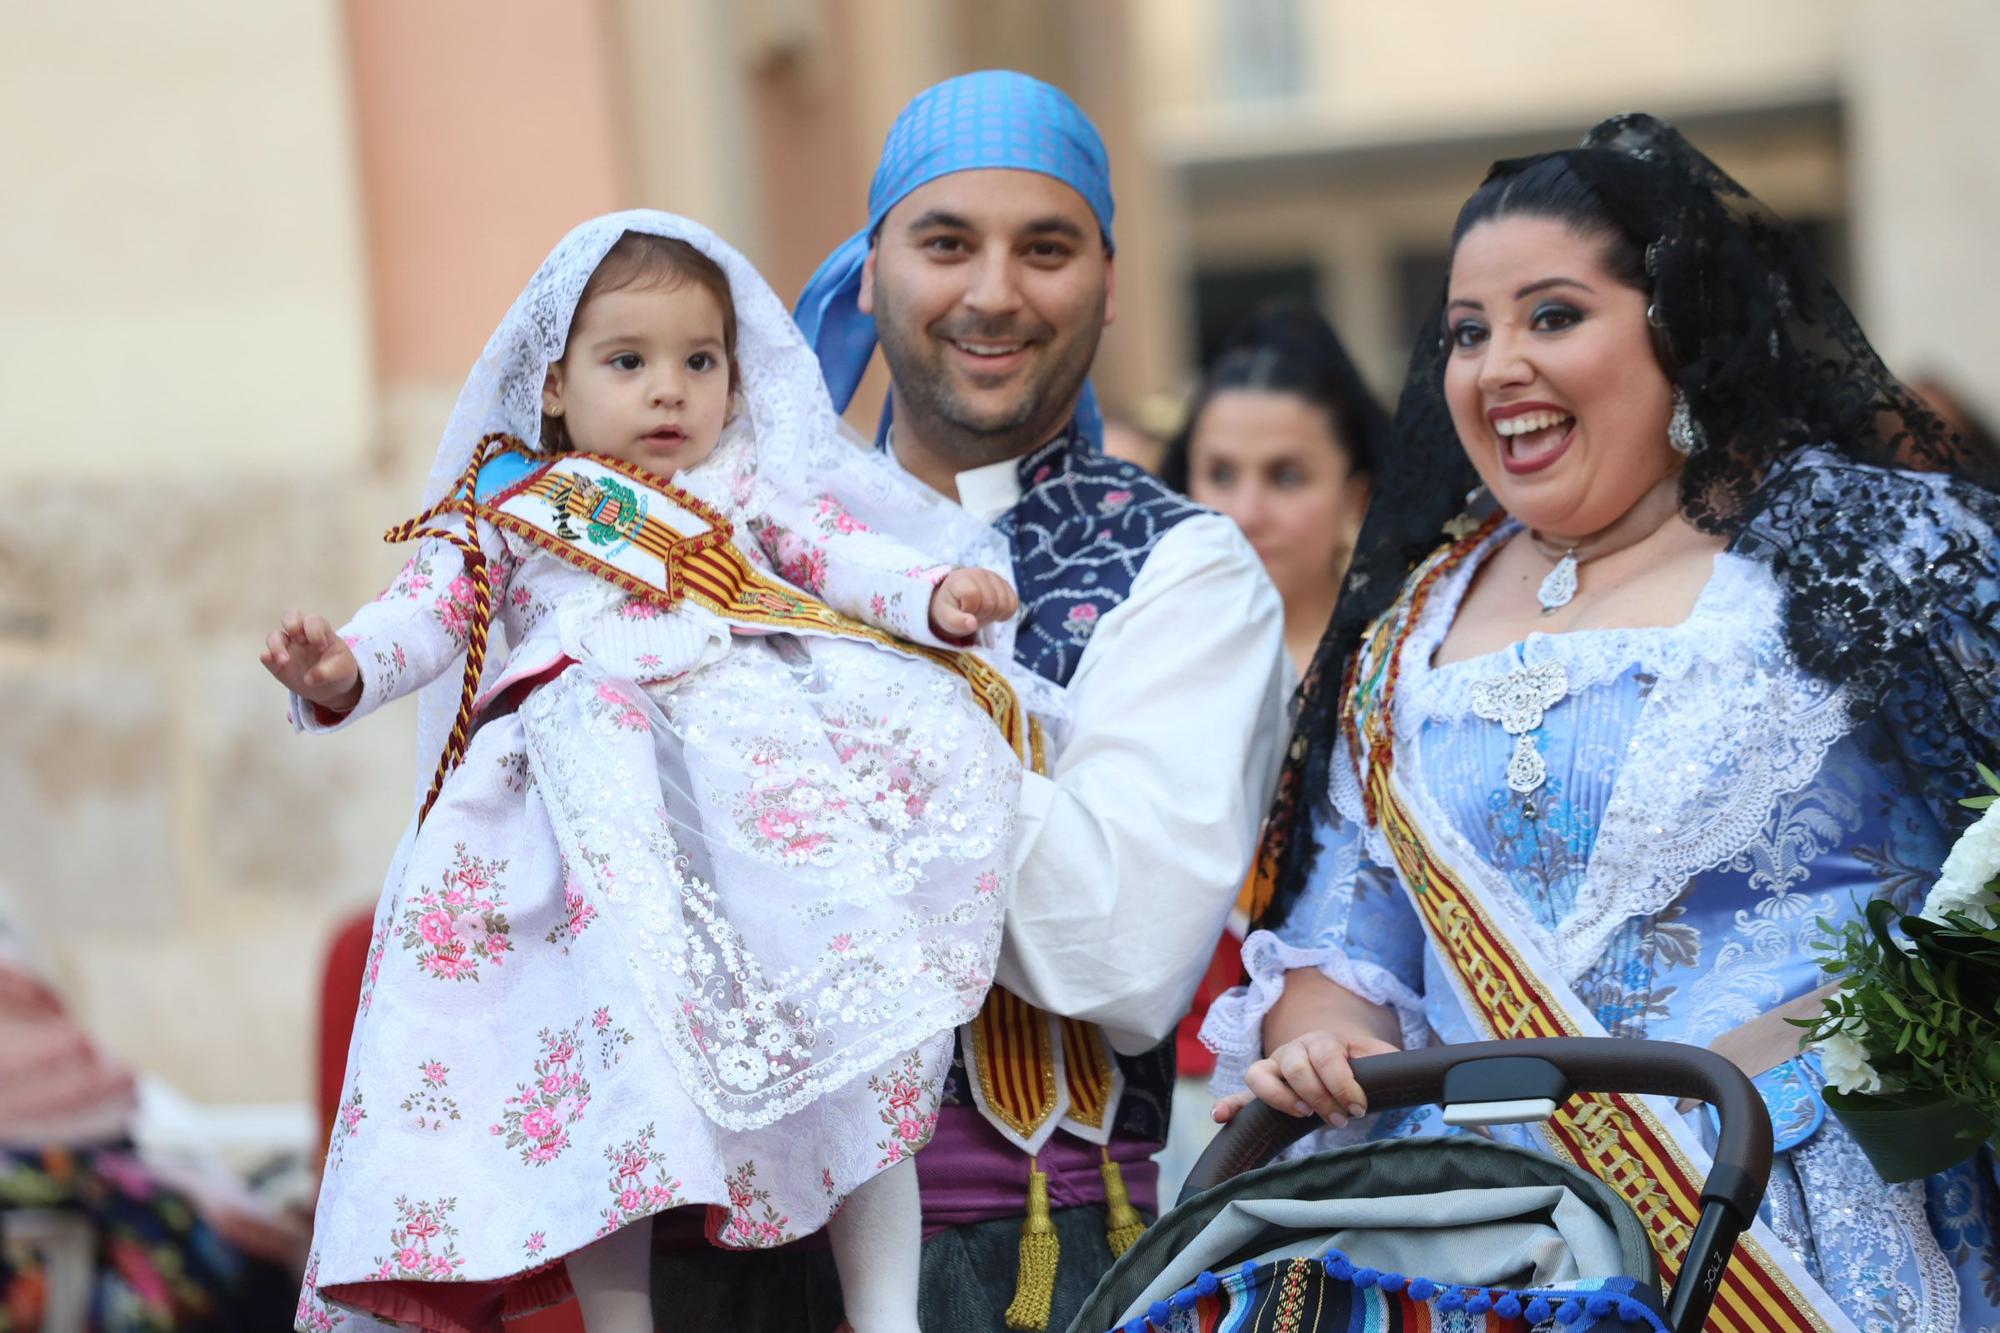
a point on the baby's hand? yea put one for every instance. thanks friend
(965, 599)
(311, 661)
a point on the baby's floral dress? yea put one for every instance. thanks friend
(690, 925)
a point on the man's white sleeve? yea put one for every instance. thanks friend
(1133, 850)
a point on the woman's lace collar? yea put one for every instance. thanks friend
(1735, 606)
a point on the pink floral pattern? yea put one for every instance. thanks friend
(830, 517)
(413, 581)
(1114, 501)
(313, 1315)
(790, 819)
(346, 1124)
(610, 1039)
(455, 609)
(534, 1244)
(633, 1196)
(578, 914)
(617, 708)
(931, 574)
(908, 1106)
(1082, 619)
(752, 1224)
(537, 1118)
(378, 943)
(421, 1245)
(515, 776)
(459, 925)
(798, 561)
(390, 664)
(429, 1106)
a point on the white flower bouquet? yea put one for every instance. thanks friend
(1910, 1043)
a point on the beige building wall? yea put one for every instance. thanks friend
(184, 347)
(179, 277)
(1443, 68)
(1398, 109)
(1926, 193)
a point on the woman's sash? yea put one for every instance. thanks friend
(1635, 1144)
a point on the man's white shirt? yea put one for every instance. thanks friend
(1130, 853)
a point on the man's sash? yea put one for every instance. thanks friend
(658, 542)
(1033, 1072)
(1634, 1144)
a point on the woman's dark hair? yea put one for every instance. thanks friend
(1552, 189)
(1287, 348)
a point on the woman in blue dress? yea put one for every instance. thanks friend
(1710, 674)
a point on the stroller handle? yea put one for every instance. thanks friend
(1553, 1067)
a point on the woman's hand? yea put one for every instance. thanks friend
(311, 661)
(965, 599)
(1309, 1075)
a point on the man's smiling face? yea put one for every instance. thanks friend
(989, 290)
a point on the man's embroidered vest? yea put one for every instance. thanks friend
(1080, 533)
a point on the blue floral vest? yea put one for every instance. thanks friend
(1080, 533)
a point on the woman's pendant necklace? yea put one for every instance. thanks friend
(1559, 584)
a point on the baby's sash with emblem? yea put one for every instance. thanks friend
(653, 540)
(1637, 1145)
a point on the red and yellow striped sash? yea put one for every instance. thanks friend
(1618, 1138)
(706, 568)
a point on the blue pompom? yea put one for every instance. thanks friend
(1337, 1265)
(1479, 1304)
(1181, 1301)
(1508, 1306)
(1136, 1324)
(1393, 1282)
(1206, 1284)
(1422, 1289)
(1539, 1310)
(1569, 1312)
(1601, 1306)
(1160, 1314)
(1366, 1278)
(1451, 1301)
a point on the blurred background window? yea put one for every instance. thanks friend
(1260, 49)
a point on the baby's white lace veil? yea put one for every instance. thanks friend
(798, 441)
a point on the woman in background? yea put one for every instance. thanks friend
(1284, 437)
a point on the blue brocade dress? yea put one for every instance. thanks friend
(1708, 807)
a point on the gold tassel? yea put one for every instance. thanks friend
(1122, 1223)
(1035, 1287)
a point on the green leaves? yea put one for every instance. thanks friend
(1924, 998)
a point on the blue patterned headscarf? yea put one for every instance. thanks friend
(995, 118)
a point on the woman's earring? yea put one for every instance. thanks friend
(1682, 433)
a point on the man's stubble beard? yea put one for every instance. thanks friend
(928, 408)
